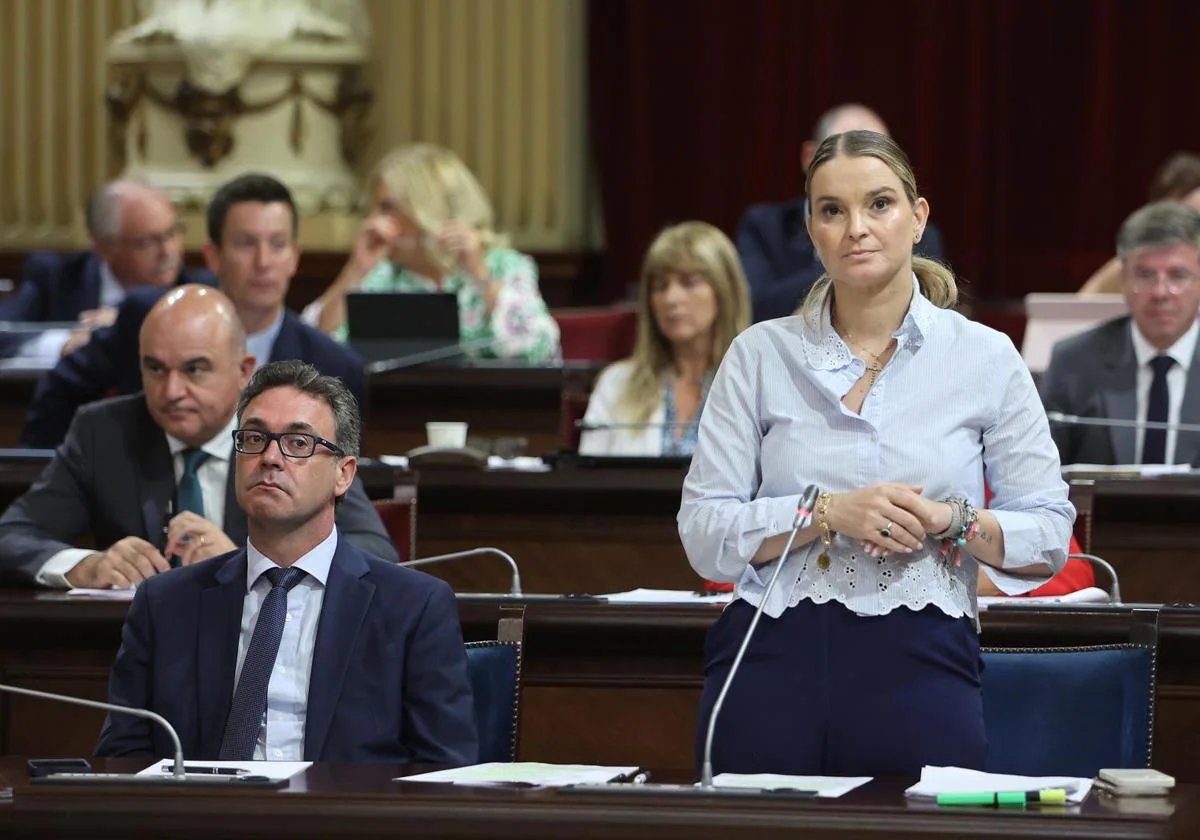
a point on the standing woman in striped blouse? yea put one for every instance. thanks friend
(898, 409)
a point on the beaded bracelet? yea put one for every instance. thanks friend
(827, 534)
(964, 525)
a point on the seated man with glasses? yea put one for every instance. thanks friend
(150, 476)
(253, 250)
(1141, 367)
(296, 645)
(136, 242)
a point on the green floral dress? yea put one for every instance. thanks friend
(520, 324)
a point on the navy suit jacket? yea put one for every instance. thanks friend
(389, 671)
(58, 287)
(109, 365)
(779, 259)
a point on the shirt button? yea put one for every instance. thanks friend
(279, 753)
(281, 669)
(289, 617)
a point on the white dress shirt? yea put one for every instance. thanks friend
(1182, 352)
(955, 402)
(261, 343)
(604, 408)
(46, 347)
(213, 475)
(282, 735)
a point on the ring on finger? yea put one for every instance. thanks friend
(886, 531)
(203, 540)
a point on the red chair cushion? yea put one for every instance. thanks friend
(597, 334)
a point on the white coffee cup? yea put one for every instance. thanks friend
(453, 435)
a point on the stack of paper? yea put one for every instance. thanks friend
(1090, 595)
(274, 770)
(666, 596)
(526, 773)
(826, 787)
(110, 594)
(935, 780)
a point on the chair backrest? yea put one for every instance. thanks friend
(597, 334)
(399, 517)
(494, 668)
(1069, 711)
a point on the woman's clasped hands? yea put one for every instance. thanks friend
(887, 518)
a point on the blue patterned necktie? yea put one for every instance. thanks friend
(250, 699)
(1154, 441)
(189, 495)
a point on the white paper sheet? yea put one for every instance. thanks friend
(109, 594)
(1142, 470)
(935, 780)
(1091, 595)
(525, 772)
(826, 787)
(274, 770)
(666, 596)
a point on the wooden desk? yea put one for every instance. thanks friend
(602, 683)
(16, 393)
(1147, 529)
(495, 399)
(362, 800)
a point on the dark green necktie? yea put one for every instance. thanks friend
(189, 496)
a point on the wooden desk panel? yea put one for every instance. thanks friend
(496, 400)
(602, 683)
(341, 800)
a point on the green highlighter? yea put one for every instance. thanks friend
(1053, 796)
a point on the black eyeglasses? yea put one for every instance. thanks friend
(291, 444)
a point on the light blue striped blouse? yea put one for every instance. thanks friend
(955, 402)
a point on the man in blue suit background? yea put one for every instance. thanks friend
(297, 646)
(253, 251)
(772, 239)
(136, 242)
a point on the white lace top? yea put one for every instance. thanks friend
(954, 404)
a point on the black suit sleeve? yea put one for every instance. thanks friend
(55, 511)
(129, 685)
(88, 374)
(438, 709)
(771, 295)
(30, 302)
(359, 523)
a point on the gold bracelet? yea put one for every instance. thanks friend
(827, 534)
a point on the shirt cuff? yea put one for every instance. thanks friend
(54, 571)
(1030, 539)
(1012, 584)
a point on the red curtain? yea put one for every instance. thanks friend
(1034, 126)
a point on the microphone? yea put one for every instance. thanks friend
(475, 552)
(436, 354)
(1107, 422)
(1114, 595)
(177, 770)
(803, 515)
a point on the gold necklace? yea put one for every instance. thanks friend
(875, 367)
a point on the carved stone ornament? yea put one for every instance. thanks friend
(210, 88)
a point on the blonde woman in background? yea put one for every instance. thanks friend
(693, 300)
(430, 230)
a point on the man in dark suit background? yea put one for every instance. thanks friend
(252, 249)
(299, 645)
(772, 239)
(1143, 366)
(136, 242)
(148, 476)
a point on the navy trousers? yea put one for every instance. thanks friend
(822, 691)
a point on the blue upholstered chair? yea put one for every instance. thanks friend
(1069, 711)
(495, 671)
